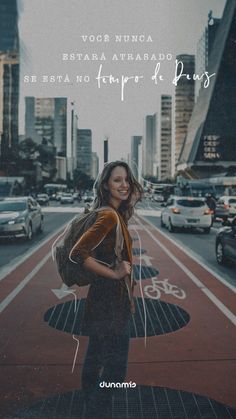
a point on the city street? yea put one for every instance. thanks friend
(186, 369)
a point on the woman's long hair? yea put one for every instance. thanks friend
(102, 198)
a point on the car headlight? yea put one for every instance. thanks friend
(17, 220)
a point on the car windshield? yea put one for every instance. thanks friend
(12, 206)
(190, 203)
(232, 201)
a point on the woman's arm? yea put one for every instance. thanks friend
(121, 270)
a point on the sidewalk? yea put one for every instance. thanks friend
(187, 369)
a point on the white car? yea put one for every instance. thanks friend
(229, 204)
(67, 198)
(188, 212)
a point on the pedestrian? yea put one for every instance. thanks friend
(109, 303)
(211, 203)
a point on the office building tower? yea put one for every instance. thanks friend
(204, 48)
(150, 145)
(47, 118)
(84, 151)
(94, 165)
(9, 101)
(164, 149)
(135, 156)
(105, 150)
(209, 146)
(184, 102)
(9, 37)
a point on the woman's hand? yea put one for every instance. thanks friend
(122, 269)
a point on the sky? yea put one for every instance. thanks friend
(114, 106)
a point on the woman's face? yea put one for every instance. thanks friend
(118, 186)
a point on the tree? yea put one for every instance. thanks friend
(82, 180)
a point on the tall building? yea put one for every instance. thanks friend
(9, 81)
(150, 145)
(9, 37)
(209, 146)
(94, 165)
(164, 152)
(47, 118)
(184, 102)
(9, 101)
(84, 150)
(204, 48)
(135, 155)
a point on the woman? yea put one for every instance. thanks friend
(109, 302)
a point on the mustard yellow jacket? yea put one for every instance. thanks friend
(108, 300)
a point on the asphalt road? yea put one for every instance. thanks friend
(200, 245)
(13, 249)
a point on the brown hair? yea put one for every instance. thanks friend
(126, 208)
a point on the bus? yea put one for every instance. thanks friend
(52, 189)
(161, 192)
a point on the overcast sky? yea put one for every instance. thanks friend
(51, 28)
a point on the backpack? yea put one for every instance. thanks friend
(70, 271)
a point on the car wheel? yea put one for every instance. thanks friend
(207, 230)
(220, 253)
(162, 224)
(30, 233)
(41, 226)
(171, 228)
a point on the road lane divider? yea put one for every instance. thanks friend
(192, 256)
(10, 267)
(23, 283)
(227, 313)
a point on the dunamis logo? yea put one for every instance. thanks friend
(119, 385)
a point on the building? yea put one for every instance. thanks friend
(84, 151)
(184, 102)
(55, 121)
(47, 118)
(150, 145)
(135, 155)
(9, 37)
(94, 165)
(209, 146)
(204, 48)
(9, 101)
(164, 148)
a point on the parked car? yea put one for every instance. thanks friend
(226, 207)
(20, 217)
(42, 199)
(187, 212)
(67, 198)
(225, 247)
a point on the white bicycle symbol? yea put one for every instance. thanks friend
(154, 290)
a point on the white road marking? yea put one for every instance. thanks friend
(231, 316)
(23, 283)
(193, 256)
(63, 209)
(149, 212)
(20, 259)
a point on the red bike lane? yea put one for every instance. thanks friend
(195, 356)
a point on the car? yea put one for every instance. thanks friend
(20, 217)
(88, 198)
(226, 207)
(157, 197)
(42, 199)
(186, 212)
(225, 246)
(67, 198)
